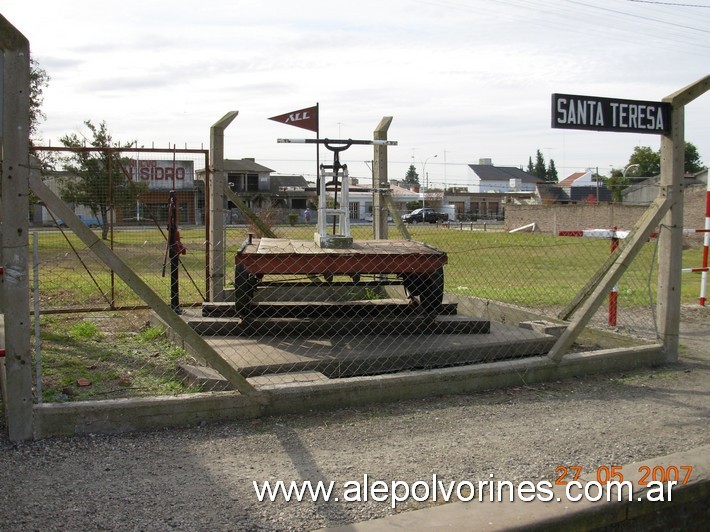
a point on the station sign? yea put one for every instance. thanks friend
(163, 175)
(570, 111)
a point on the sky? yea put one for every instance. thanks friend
(462, 79)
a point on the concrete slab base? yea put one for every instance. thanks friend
(544, 327)
(210, 380)
(124, 415)
(326, 327)
(370, 354)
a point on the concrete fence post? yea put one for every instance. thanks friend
(14, 206)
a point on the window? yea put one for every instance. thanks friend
(354, 210)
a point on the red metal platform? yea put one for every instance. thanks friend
(270, 256)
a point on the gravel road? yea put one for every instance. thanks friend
(201, 478)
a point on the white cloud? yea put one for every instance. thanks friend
(472, 78)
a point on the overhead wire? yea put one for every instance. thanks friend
(664, 27)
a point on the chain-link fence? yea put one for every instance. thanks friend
(431, 296)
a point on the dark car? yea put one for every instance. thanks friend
(425, 215)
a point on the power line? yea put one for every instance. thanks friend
(641, 17)
(674, 4)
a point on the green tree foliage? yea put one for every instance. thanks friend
(539, 169)
(649, 161)
(39, 80)
(412, 177)
(693, 163)
(616, 183)
(97, 178)
(551, 172)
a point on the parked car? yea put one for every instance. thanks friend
(425, 215)
(91, 222)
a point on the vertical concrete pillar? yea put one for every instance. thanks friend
(670, 245)
(380, 180)
(14, 209)
(218, 180)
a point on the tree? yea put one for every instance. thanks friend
(412, 177)
(88, 180)
(693, 164)
(551, 175)
(539, 170)
(531, 168)
(649, 161)
(616, 183)
(39, 80)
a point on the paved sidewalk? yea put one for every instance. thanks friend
(688, 509)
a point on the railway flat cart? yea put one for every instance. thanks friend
(333, 258)
(419, 268)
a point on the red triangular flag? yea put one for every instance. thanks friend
(304, 118)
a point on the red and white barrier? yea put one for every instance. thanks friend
(703, 270)
(614, 294)
(706, 245)
(614, 235)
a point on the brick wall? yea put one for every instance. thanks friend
(553, 218)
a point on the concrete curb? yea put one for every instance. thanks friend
(688, 509)
(125, 415)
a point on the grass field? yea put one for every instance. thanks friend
(120, 355)
(531, 270)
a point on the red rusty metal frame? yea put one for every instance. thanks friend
(339, 264)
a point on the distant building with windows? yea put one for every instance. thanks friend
(255, 185)
(485, 177)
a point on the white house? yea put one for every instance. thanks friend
(583, 186)
(361, 199)
(488, 178)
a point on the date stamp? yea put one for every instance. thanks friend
(679, 474)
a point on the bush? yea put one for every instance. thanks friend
(292, 218)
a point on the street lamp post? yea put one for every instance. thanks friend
(425, 178)
(623, 178)
(628, 168)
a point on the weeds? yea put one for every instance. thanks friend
(88, 359)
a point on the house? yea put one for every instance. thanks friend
(581, 187)
(147, 183)
(361, 198)
(255, 185)
(488, 178)
(291, 192)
